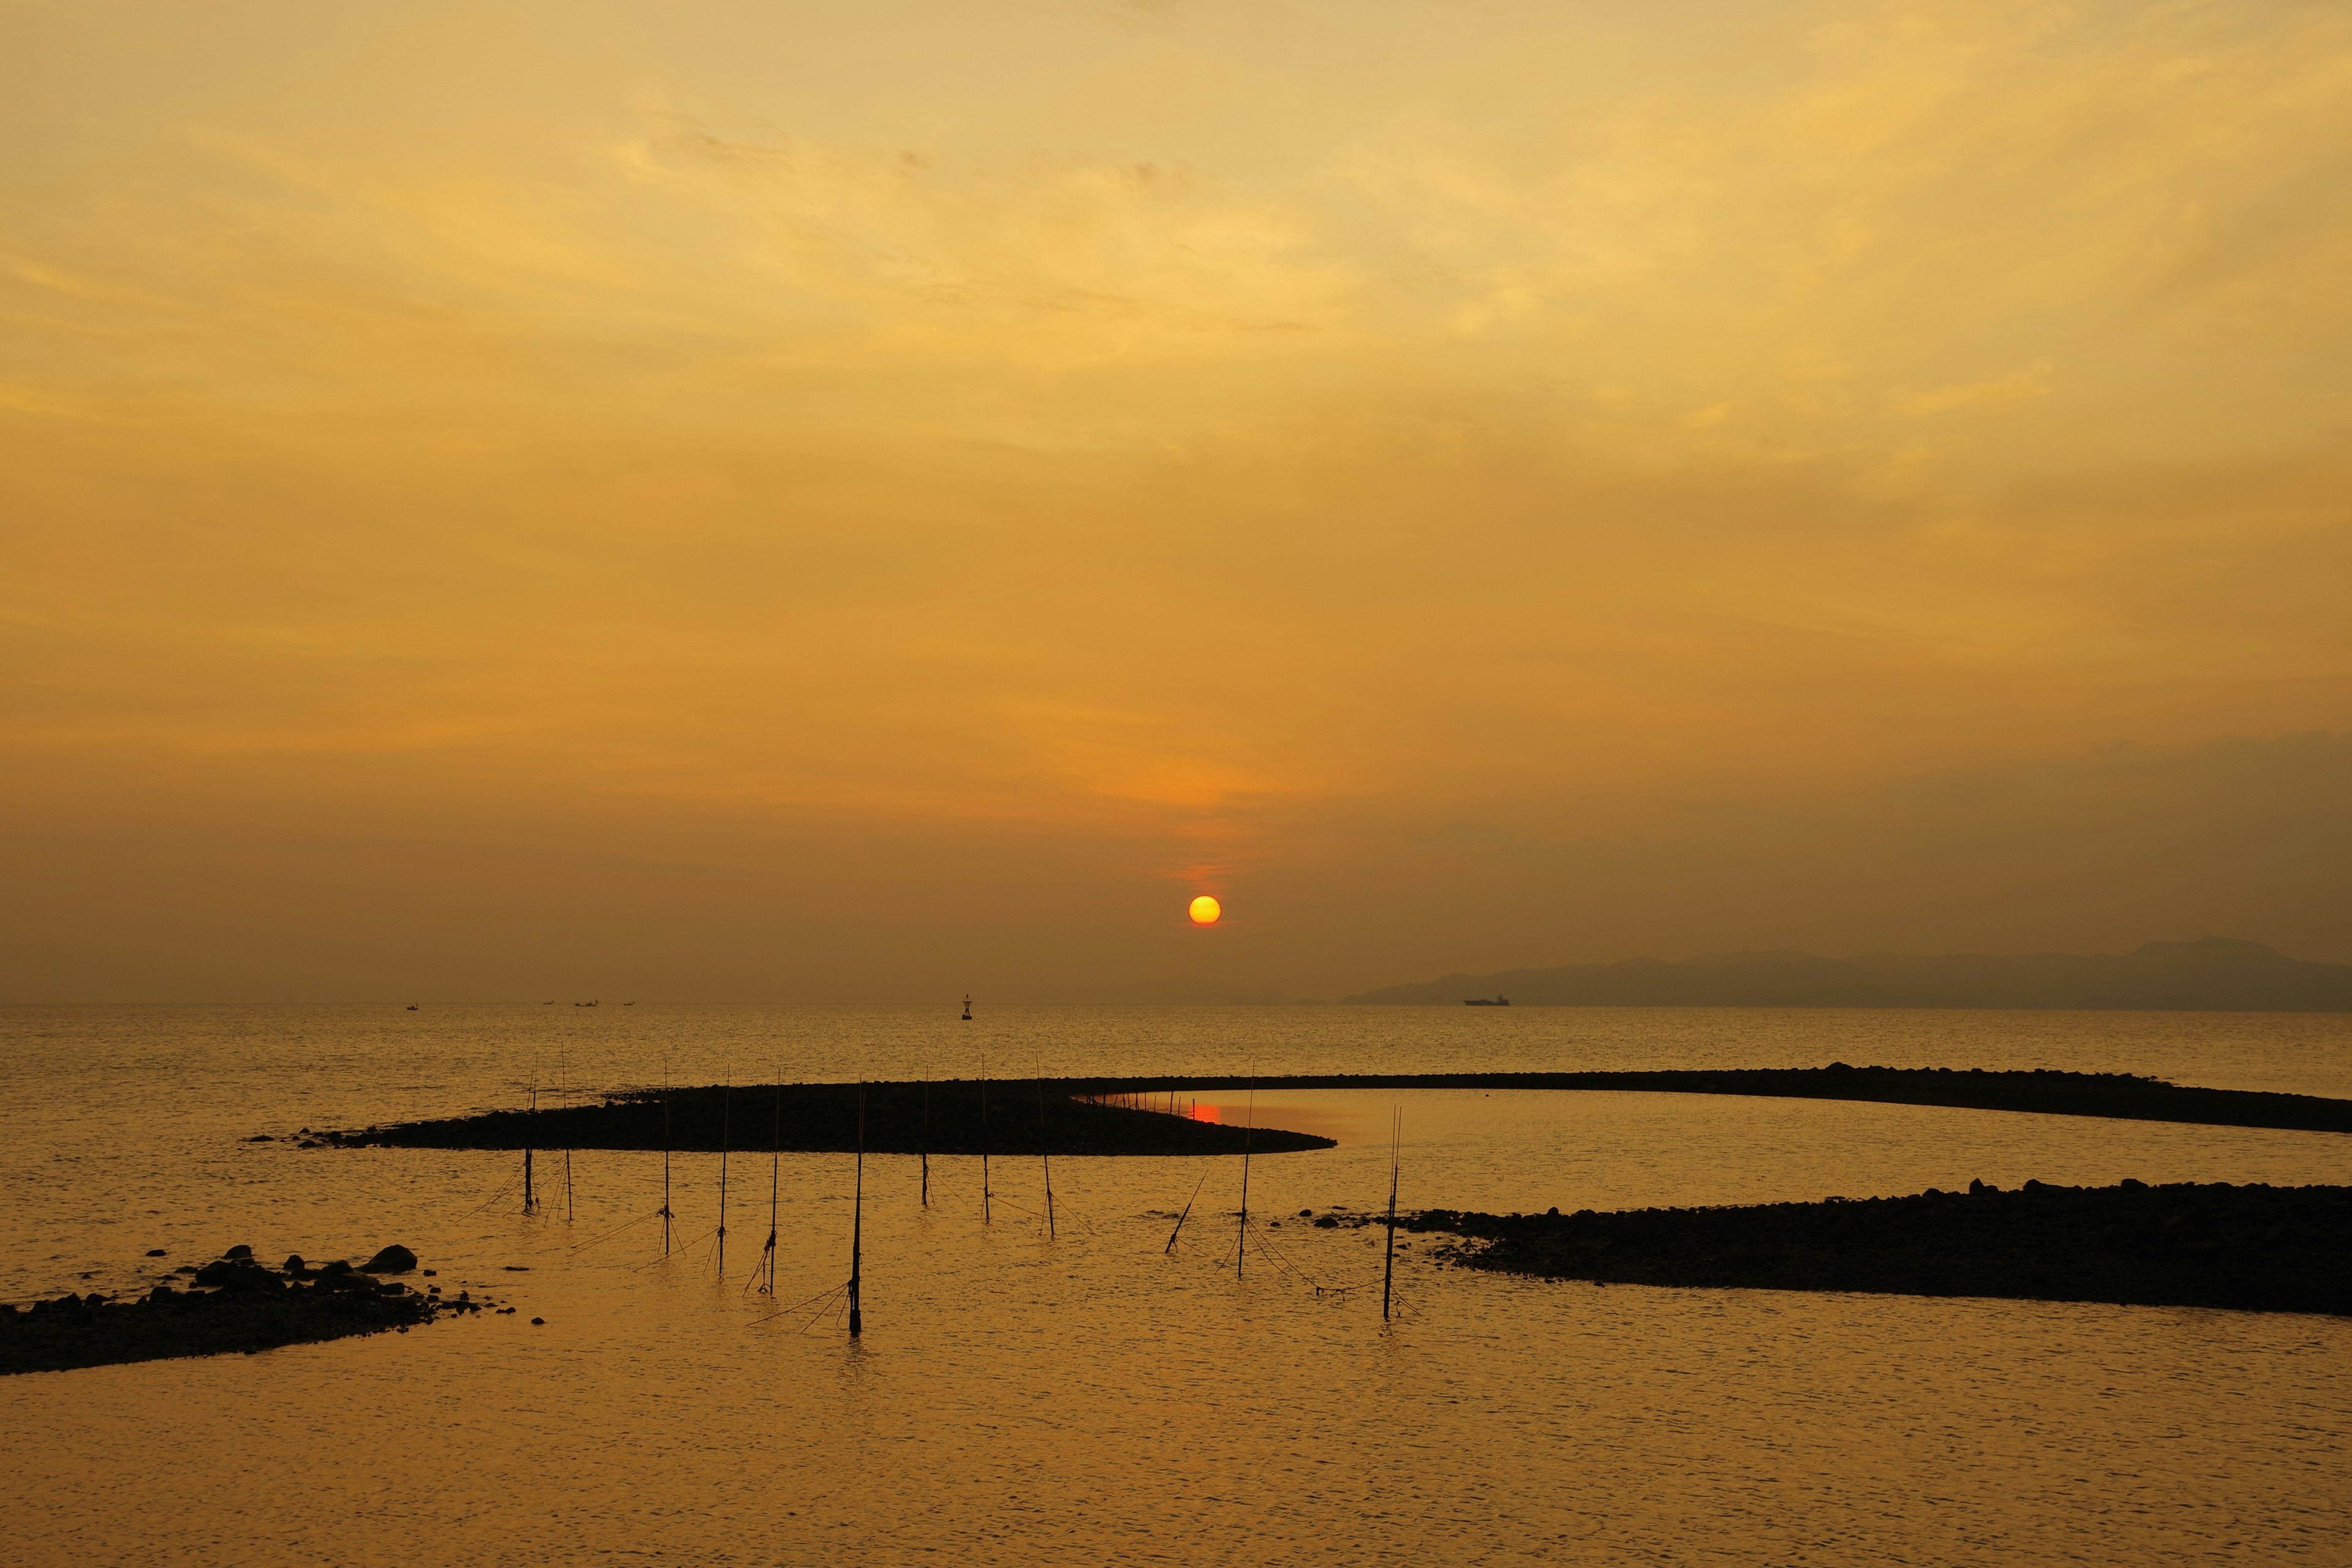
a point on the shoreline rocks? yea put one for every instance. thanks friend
(2248, 1248)
(238, 1304)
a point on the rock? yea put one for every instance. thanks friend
(155, 1252)
(393, 1259)
(539, 1322)
(430, 1272)
(295, 1266)
(261, 1138)
(239, 1250)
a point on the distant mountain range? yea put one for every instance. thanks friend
(2214, 974)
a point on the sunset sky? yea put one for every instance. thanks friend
(725, 501)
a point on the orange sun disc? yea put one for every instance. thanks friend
(1205, 910)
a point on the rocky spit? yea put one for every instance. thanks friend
(1009, 1117)
(234, 1303)
(1144, 1115)
(2260, 1248)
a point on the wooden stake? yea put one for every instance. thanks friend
(1241, 1247)
(665, 1214)
(775, 1170)
(726, 1110)
(1388, 1267)
(1185, 1216)
(857, 1227)
(567, 1158)
(530, 1198)
(1046, 1154)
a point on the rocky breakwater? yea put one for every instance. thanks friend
(2251, 1248)
(234, 1303)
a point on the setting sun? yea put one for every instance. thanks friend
(1205, 910)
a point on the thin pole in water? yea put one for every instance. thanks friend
(984, 1139)
(726, 1110)
(567, 1156)
(665, 1208)
(530, 1124)
(927, 1142)
(1044, 1152)
(1241, 1247)
(1388, 1267)
(1185, 1216)
(775, 1172)
(857, 1227)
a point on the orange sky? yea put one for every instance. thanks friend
(773, 501)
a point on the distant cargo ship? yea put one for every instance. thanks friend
(1486, 1001)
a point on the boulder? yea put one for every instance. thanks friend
(393, 1259)
(240, 1250)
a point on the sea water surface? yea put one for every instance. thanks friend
(1088, 1395)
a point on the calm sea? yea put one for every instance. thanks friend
(1087, 1397)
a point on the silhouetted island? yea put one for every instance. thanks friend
(233, 1304)
(1058, 1116)
(2276, 1249)
(2216, 974)
(1118, 1115)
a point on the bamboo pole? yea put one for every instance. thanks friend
(857, 1228)
(1044, 1152)
(1241, 1246)
(1185, 1216)
(726, 1110)
(775, 1174)
(665, 1214)
(1388, 1267)
(530, 1126)
(567, 1148)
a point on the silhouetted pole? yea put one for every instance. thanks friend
(665, 1208)
(927, 1142)
(1241, 1247)
(1046, 1154)
(567, 1159)
(775, 1172)
(530, 1126)
(1185, 1216)
(858, 1227)
(1388, 1267)
(726, 1109)
(983, 1140)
